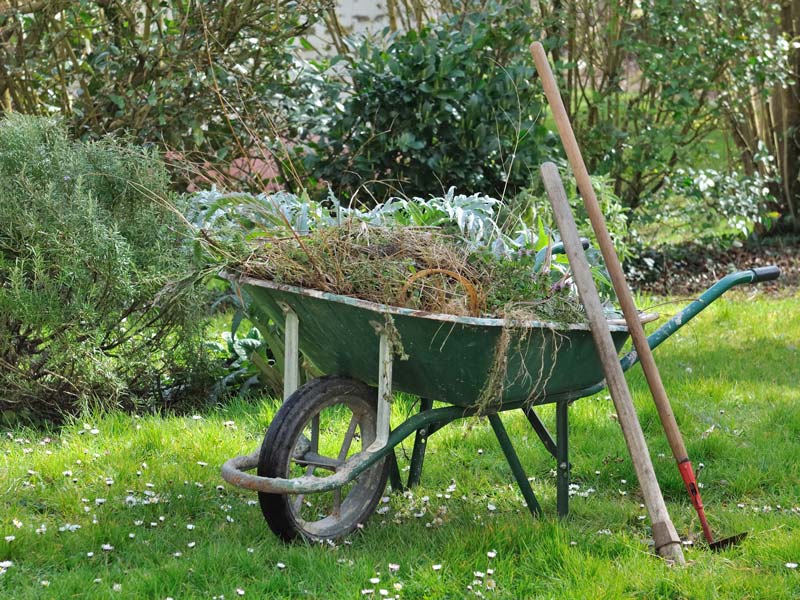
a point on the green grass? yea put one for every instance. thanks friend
(732, 377)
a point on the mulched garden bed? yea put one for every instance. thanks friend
(691, 269)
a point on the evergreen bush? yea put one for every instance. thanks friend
(449, 105)
(91, 246)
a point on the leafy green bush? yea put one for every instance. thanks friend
(710, 207)
(448, 105)
(188, 76)
(90, 248)
(738, 201)
(647, 82)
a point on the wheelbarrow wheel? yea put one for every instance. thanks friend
(318, 427)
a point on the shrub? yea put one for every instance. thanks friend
(712, 207)
(448, 105)
(90, 248)
(646, 82)
(188, 76)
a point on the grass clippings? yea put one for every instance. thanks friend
(384, 264)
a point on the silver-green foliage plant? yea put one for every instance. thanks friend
(474, 217)
(484, 223)
(90, 245)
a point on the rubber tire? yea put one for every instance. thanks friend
(280, 440)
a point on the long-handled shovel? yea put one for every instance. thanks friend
(665, 537)
(624, 294)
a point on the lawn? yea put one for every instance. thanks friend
(121, 506)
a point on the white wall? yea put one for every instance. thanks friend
(355, 16)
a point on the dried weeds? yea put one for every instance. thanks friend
(422, 268)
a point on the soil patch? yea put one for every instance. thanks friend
(691, 269)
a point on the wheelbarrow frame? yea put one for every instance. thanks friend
(429, 420)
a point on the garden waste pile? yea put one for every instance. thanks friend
(441, 255)
(423, 268)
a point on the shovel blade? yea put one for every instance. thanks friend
(727, 542)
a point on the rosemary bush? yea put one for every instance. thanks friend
(90, 248)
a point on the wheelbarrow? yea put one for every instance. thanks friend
(329, 450)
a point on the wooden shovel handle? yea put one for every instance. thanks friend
(609, 254)
(665, 536)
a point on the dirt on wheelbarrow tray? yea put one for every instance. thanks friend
(690, 269)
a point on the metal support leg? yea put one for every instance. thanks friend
(541, 431)
(420, 444)
(384, 394)
(394, 473)
(516, 466)
(562, 459)
(291, 368)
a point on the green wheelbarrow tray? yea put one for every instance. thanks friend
(444, 357)
(448, 357)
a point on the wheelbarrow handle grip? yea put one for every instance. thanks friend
(755, 275)
(769, 273)
(557, 248)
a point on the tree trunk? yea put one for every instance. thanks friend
(775, 122)
(786, 111)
